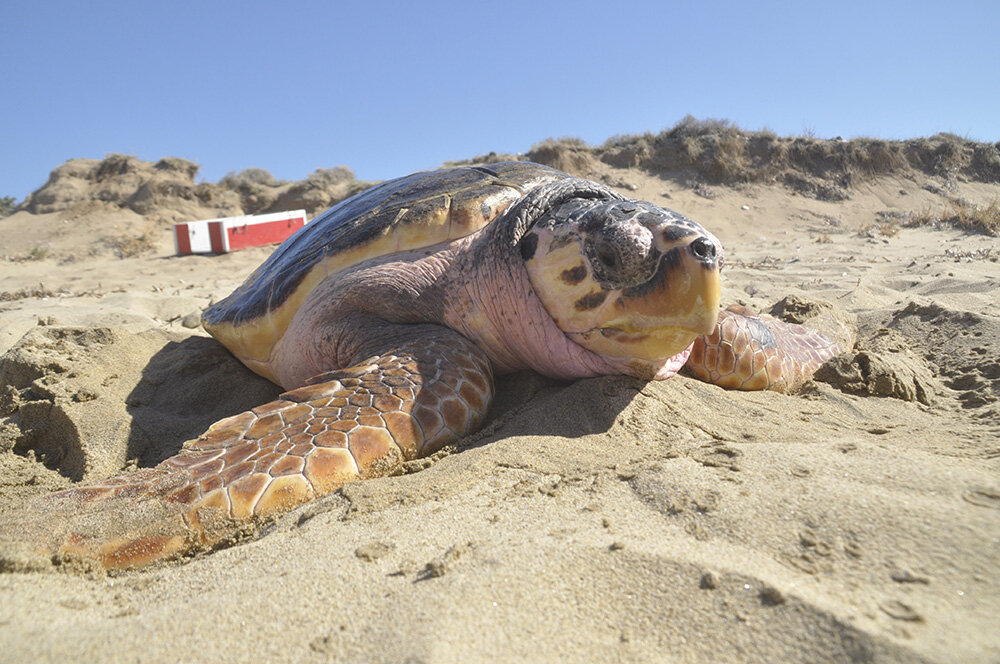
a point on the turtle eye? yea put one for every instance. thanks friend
(528, 246)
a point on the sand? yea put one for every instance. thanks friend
(600, 520)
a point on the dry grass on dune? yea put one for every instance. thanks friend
(719, 152)
(958, 213)
(962, 214)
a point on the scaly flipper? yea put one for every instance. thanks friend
(751, 351)
(353, 423)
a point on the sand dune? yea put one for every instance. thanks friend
(601, 520)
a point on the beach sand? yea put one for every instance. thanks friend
(600, 520)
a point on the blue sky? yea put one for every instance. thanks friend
(387, 88)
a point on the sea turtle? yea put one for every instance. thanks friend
(386, 319)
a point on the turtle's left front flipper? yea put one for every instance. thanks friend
(750, 351)
(358, 422)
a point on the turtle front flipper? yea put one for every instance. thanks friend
(749, 351)
(354, 423)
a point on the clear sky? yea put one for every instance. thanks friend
(387, 88)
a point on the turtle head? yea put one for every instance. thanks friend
(625, 279)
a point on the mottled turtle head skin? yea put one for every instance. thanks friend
(624, 279)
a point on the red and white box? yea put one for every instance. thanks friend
(220, 236)
(191, 237)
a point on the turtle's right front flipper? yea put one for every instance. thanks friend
(358, 422)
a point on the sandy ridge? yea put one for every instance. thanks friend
(602, 520)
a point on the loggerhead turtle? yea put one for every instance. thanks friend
(386, 318)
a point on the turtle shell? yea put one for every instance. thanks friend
(412, 212)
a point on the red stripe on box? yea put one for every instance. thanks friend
(215, 232)
(183, 236)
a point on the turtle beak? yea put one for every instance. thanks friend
(662, 316)
(685, 290)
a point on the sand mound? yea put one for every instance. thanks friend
(89, 401)
(167, 192)
(164, 191)
(260, 192)
(566, 154)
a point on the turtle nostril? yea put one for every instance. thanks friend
(703, 249)
(607, 255)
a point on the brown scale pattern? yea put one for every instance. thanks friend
(344, 425)
(751, 351)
